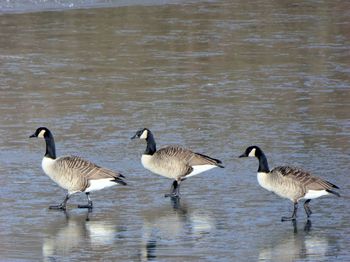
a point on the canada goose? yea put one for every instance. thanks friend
(74, 173)
(290, 182)
(173, 162)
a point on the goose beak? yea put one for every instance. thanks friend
(243, 155)
(133, 137)
(33, 135)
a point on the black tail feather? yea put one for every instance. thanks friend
(120, 181)
(333, 192)
(217, 161)
(331, 184)
(335, 186)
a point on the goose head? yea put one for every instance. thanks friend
(42, 132)
(142, 134)
(252, 151)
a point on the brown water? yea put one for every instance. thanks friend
(214, 76)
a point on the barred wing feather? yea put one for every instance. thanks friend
(77, 167)
(187, 156)
(303, 178)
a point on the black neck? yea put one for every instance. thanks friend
(50, 147)
(263, 165)
(151, 144)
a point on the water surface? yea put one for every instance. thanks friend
(214, 76)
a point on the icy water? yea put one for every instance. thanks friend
(214, 76)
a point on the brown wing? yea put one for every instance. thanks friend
(79, 167)
(187, 156)
(304, 178)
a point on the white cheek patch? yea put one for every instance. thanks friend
(41, 134)
(252, 153)
(144, 134)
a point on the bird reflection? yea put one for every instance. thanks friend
(175, 223)
(64, 235)
(175, 202)
(291, 246)
(307, 226)
(72, 233)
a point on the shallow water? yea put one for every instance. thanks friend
(213, 76)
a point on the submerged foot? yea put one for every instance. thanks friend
(172, 195)
(89, 206)
(85, 206)
(288, 219)
(174, 190)
(58, 207)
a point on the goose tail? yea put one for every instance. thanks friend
(333, 192)
(119, 180)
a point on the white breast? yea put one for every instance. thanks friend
(146, 161)
(263, 180)
(47, 165)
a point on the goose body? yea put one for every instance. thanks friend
(173, 162)
(289, 182)
(294, 183)
(176, 163)
(74, 173)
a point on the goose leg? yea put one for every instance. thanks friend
(61, 206)
(89, 204)
(174, 190)
(307, 208)
(294, 215)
